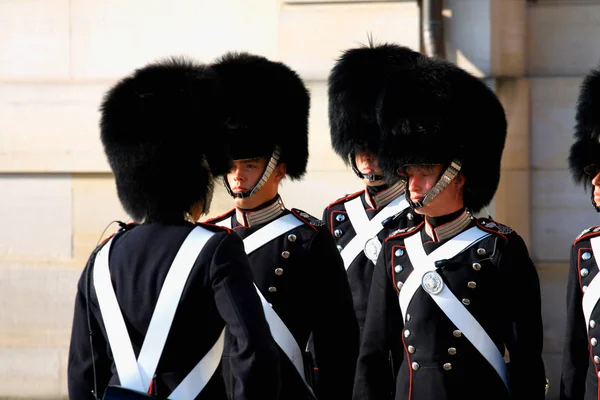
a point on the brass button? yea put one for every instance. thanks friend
(586, 256)
(457, 333)
(411, 349)
(337, 233)
(592, 324)
(452, 351)
(406, 333)
(399, 285)
(292, 237)
(466, 302)
(398, 268)
(447, 366)
(415, 366)
(279, 271)
(594, 342)
(481, 251)
(476, 266)
(399, 252)
(340, 217)
(597, 359)
(472, 285)
(285, 254)
(272, 289)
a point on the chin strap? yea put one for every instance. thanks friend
(447, 177)
(369, 177)
(273, 161)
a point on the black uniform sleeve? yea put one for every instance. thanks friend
(335, 333)
(80, 372)
(526, 368)
(382, 337)
(575, 352)
(255, 361)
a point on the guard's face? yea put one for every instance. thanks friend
(596, 183)
(421, 178)
(368, 163)
(244, 174)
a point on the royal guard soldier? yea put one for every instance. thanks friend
(297, 268)
(361, 221)
(456, 296)
(581, 356)
(146, 289)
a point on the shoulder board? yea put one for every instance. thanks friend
(346, 198)
(214, 228)
(404, 231)
(218, 218)
(494, 226)
(587, 233)
(307, 218)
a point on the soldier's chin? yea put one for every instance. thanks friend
(597, 200)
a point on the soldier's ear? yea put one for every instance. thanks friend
(459, 180)
(280, 171)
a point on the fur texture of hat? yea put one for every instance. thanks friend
(436, 112)
(354, 87)
(162, 133)
(586, 148)
(267, 105)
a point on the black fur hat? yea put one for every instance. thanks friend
(267, 105)
(354, 86)
(586, 149)
(436, 112)
(162, 133)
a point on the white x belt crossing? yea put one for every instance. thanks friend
(367, 229)
(592, 293)
(137, 374)
(424, 276)
(280, 332)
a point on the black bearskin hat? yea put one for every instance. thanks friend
(436, 112)
(267, 105)
(162, 133)
(354, 86)
(586, 149)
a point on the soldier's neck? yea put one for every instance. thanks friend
(267, 211)
(382, 195)
(447, 226)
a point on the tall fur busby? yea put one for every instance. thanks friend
(162, 132)
(354, 86)
(267, 105)
(436, 112)
(586, 149)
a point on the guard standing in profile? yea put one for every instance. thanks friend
(451, 297)
(361, 221)
(297, 268)
(581, 356)
(146, 289)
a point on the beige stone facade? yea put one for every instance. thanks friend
(57, 57)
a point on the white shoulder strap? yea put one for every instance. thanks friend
(423, 265)
(364, 228)
(160, 323)
(225, 223)
(592, 293)
(280, 332)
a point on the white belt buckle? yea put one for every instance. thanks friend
(432, 282)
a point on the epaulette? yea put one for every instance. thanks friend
(307, 218)
(214, 228)
(494, 226)
(346, 198)
(589, 232)
(404, 231)
(218, 217)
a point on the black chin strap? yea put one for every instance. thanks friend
(447, 177)
(369, 177)
(273, 161)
